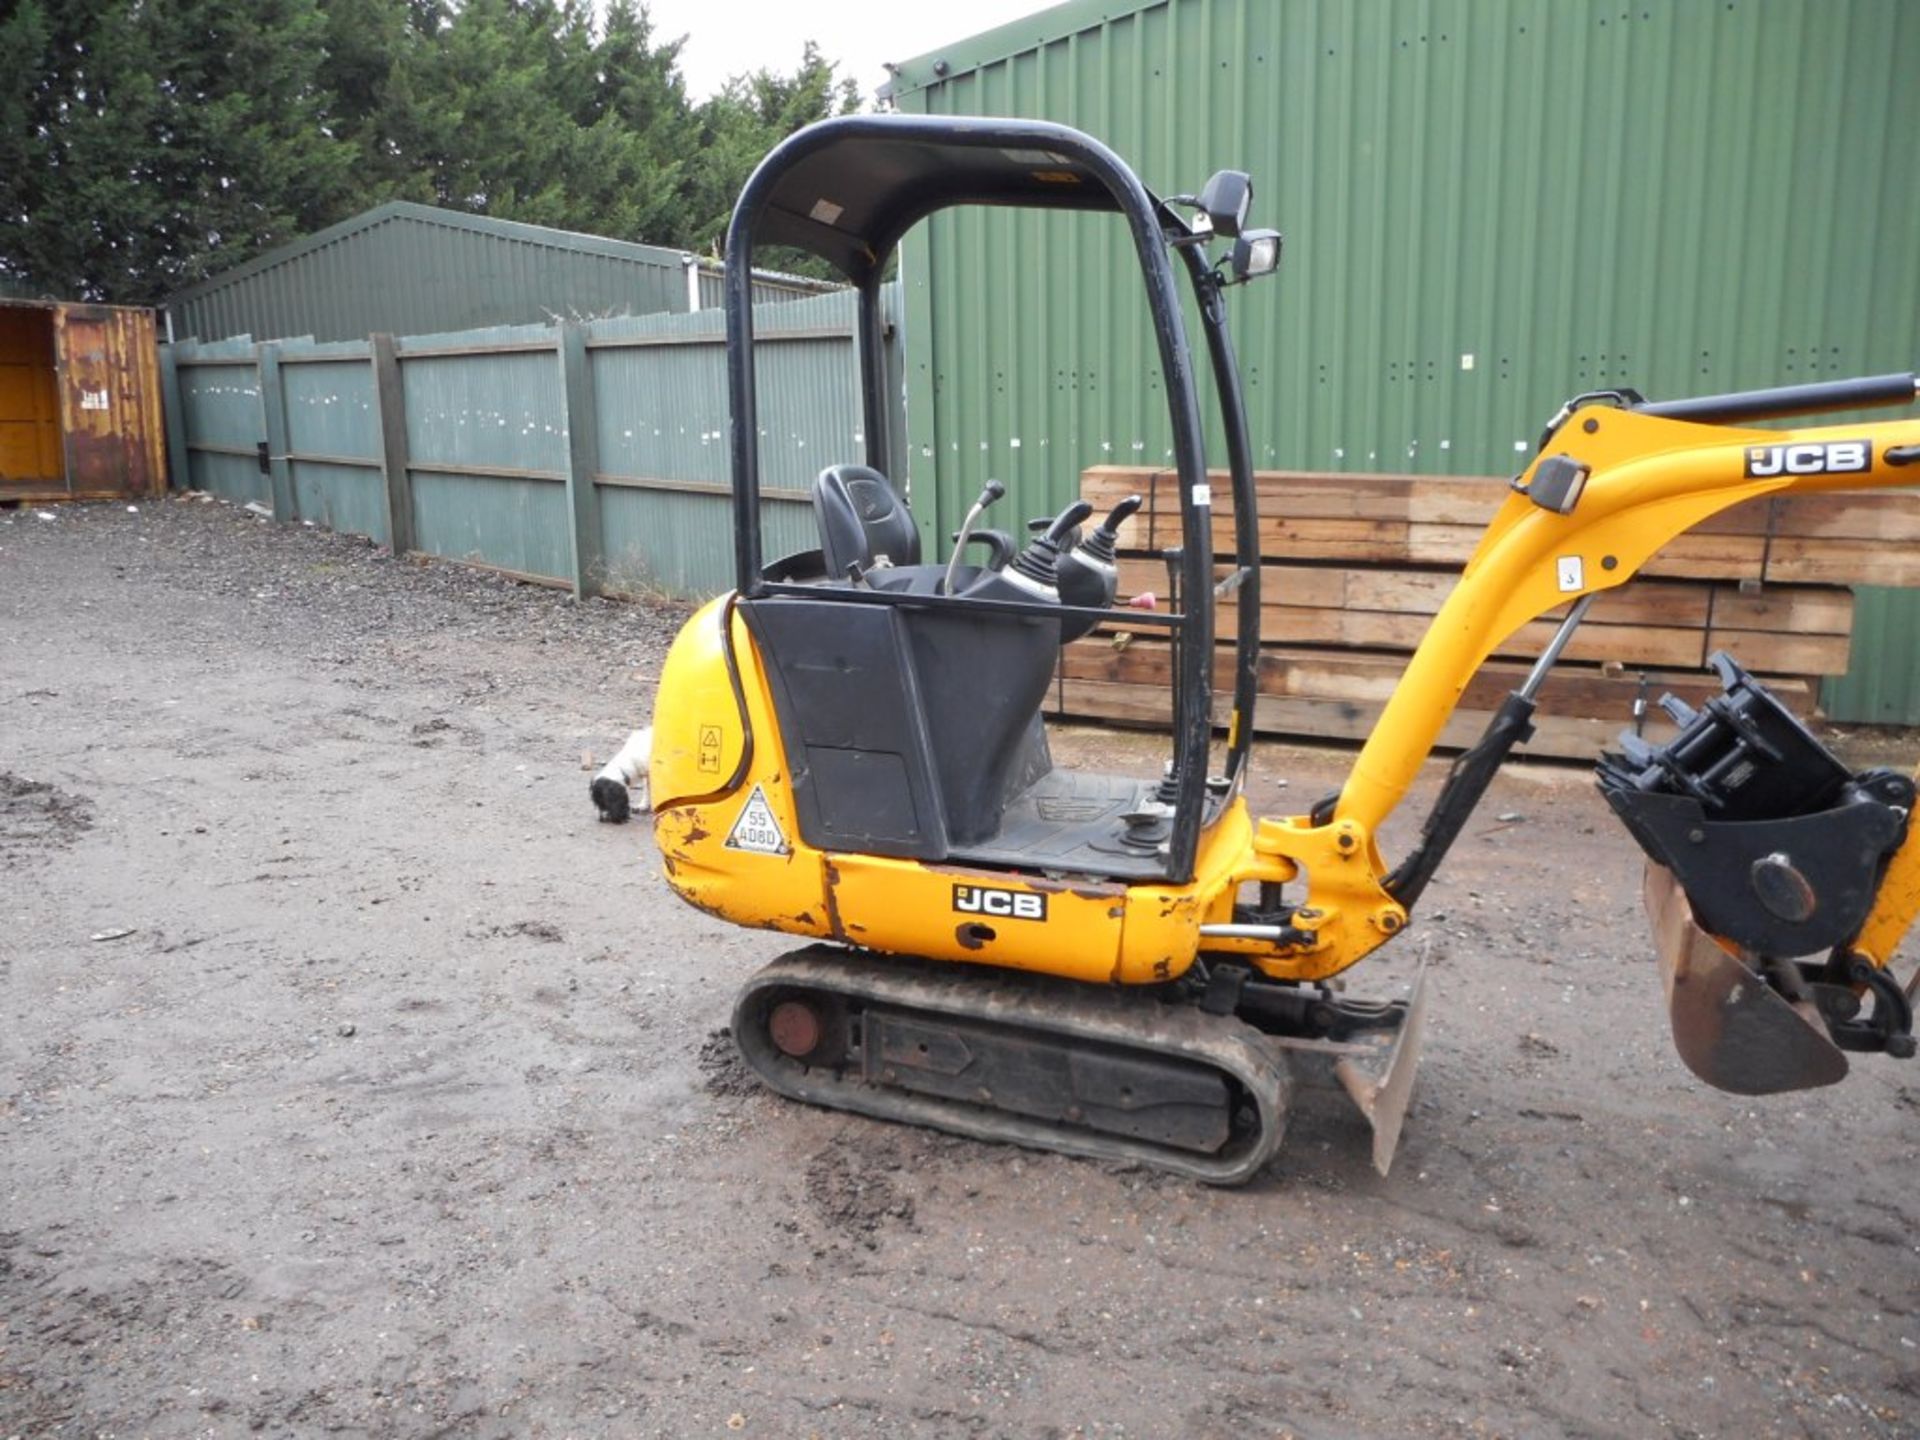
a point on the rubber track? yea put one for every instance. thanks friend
(1114, 1016)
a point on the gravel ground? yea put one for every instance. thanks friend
(354, 1081)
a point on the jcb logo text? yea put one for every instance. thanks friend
(1007, 904)
(1837, 457)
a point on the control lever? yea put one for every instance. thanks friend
(1066, 522)
(989, 493)
(997, 541)
(1120, 514)
(1034, 568)
(1087, 575)
(1041, 524)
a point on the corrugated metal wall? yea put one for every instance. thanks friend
(769, 287)
(410, 269)
(494, 472)
(1883, 687)
(1489, 205)
(414, 269)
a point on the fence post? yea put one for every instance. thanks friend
(390, 398)
(174, 414)
(583, 460)
(273, 409)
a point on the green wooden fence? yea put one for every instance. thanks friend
(591, 454)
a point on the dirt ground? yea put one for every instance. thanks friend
(354, 1081)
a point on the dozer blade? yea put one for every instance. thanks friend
(1108, 1073)
(1383, 1095)
(1376, 1070)
(1731, 1028)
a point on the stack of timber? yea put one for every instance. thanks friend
(1355, 566)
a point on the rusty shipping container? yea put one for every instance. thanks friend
(80, 406)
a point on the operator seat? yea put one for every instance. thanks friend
(909, 730)
(862, 520)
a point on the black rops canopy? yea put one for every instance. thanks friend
(847, 189)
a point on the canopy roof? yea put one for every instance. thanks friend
(848, 189)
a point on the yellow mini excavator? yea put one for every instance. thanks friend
(848, 746)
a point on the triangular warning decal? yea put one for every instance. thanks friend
(756, 829)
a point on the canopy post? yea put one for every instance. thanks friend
(872, 340)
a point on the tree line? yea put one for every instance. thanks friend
(146, 144)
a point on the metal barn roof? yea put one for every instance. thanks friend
(412, 269)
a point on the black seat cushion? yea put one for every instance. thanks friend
(862, 519)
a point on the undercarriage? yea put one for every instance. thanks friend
(1195, 1077)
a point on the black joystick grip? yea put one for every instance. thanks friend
(1067, 521)
(1101, 545)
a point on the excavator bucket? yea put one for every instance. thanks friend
(1376, 1070)
(1731, 1028)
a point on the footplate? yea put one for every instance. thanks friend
(1107, 1074)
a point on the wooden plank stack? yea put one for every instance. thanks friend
(1355, 566)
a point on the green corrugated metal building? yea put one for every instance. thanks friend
(409, 269)
(1489, 205)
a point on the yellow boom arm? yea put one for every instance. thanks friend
(1647, 480)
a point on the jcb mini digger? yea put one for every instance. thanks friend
(848, 747)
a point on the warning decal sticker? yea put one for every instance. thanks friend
(756, 829)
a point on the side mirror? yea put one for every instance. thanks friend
(1255, 253)
(1226, 199)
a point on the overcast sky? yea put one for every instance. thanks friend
(727, 37)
